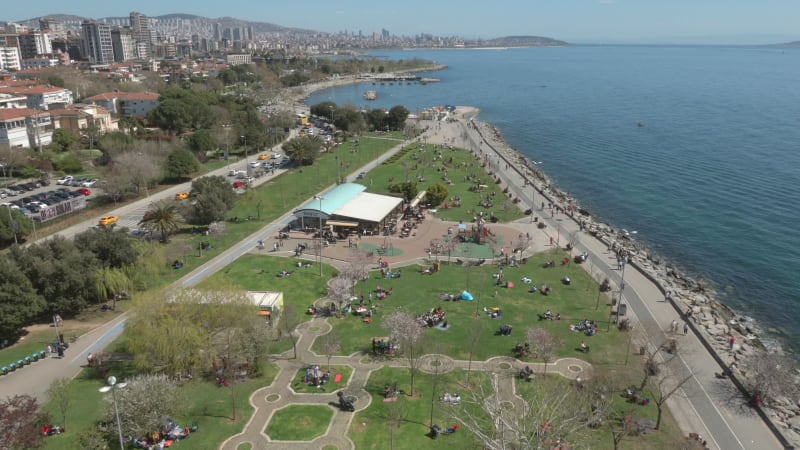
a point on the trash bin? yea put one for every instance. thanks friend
(623, 308)
(642, 350)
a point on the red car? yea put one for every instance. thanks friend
(238, 184)
(84, 191)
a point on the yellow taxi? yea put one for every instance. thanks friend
(263, 156)
(181, 196)
(108, 220)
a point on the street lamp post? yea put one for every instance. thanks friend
(227, 128)
(622, 279)
(113, 386)
(320, 198)
(246, 163)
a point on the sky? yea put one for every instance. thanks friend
(618, 21)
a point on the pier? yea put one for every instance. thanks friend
(396, 78)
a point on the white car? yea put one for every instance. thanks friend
(255, 164)
(66, 180)
(89, 183)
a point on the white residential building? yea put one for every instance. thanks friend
(9, 58)
(25, 128)
(34, 43)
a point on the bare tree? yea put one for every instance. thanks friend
(543, 343)
(475, 334)
(395, 414)
(357, 264)
(621, 424)
(407, 332)
(552, 414)
(289, 320)
(331, 344)
(771, 375)
(340, 289)
(663, 387)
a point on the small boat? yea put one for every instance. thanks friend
(370, 95)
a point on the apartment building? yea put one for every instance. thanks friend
(77, 118)
(25, 128)
(133, 104)
(41, 97)
(10, 59)
(97, 45)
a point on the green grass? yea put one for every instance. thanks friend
(32, 342)
(416, 162)
(258, 273)
(420, 293)
(305, 388)
(208, 405)
(299, 422)
(370, 428)
(244, 446)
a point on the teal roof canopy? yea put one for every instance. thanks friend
(333, 198)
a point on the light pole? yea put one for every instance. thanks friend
(227, 128)
(622, 279)
(320, 198)
(533, 191)
(113, 386)
(246, 163)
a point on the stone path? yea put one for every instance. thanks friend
(280, 394)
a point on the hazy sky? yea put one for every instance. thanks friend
(571, 20)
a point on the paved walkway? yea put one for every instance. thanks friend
(280, 394)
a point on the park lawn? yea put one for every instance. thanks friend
(264, 204)
(416, 162)
(305, 388)
(370, 428)
(208, 405)
(299, 422)
(259, 273)
(420, 293)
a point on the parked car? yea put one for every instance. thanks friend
(65, 180)
(108, 220)
(84, 191)
(89, 183)
(238, 184)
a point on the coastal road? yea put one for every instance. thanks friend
(712, 407)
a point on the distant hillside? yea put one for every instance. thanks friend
(789, 44)
(523, 41)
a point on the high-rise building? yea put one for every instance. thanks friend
(124, 45)
(140, 30)
(54, 28)
(34, 43)
(97, 45)
(217, 31)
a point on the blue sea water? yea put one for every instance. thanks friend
(711, 180)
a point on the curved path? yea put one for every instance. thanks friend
(280, 394)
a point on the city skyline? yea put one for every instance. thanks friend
(679, 21)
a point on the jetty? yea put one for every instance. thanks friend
(396, 78)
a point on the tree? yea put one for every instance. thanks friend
(397, 116)
(59, 395)
(19, 301)
(171, 115)
(181, 163)
(213, 199)
(340, 289)
(111, 281)
(331, 344)
(56, 81)
(69, 163)
(202, 141)
(112, 246)
(60, 272)
(771, 375)
(137, 169)
(13, 224)
(436, 193)
(324, 109)
(162, 217)
(407, 188)
(63, 139)
(20, 419)
(303, 149)
(551, 411)
(663, 387)
(289, 319)
(406, 332)
(144, 403)
(543, 344)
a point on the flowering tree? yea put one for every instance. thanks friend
(543, 343)
(407, 332)
(144, 403)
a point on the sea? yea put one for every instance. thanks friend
(696, 148)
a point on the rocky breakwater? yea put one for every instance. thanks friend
(762, 369)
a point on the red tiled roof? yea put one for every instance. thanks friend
(40, 89)
(15, 113)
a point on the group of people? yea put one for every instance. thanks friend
(382, 347)
(589, 327)
(433, 317)
(548, 315)
(522, 350)
(453, 399)
(316, 377)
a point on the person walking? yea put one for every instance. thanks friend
(685, 328)
(732, 341)
(674, 326)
